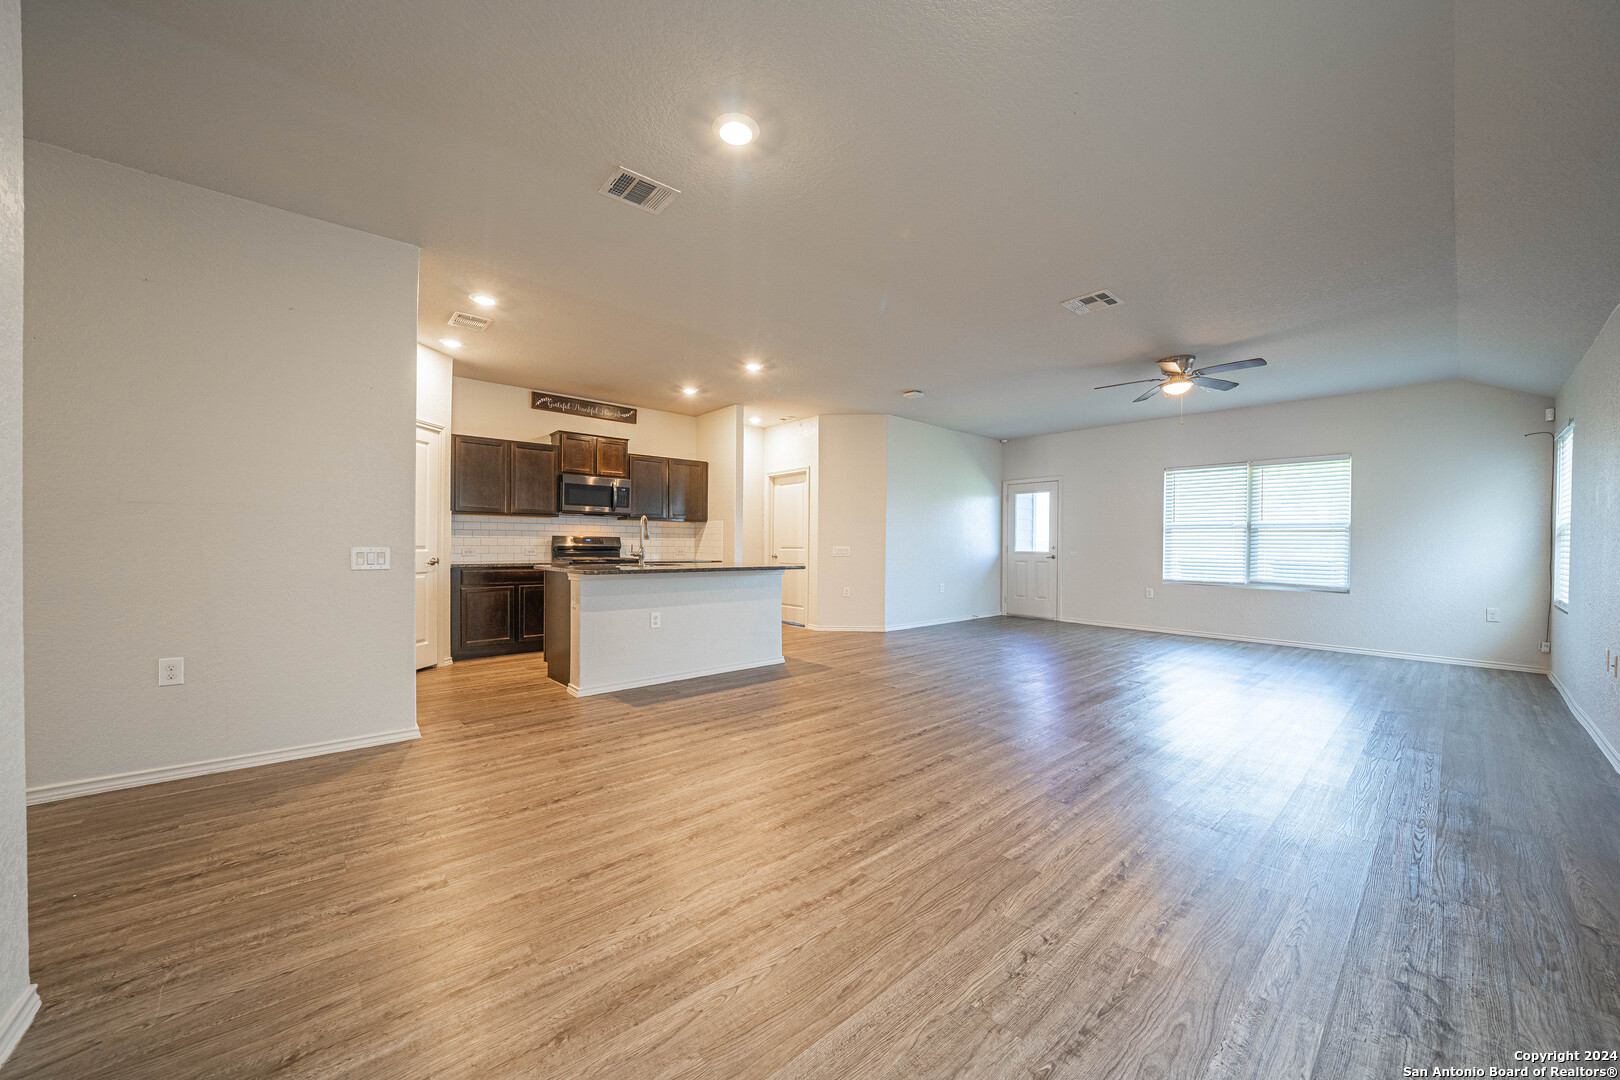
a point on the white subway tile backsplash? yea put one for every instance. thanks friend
(477, 539)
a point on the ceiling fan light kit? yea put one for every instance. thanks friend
(1180, 376)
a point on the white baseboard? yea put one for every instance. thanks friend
(1586, 722)
(68, 789)
(659, 680)
(1424, 657)
(942, 622)
(845, 629)
(16, 1019)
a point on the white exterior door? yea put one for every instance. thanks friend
(1029, 578)
(789, 506)
(429, 509)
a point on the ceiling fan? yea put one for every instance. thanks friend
(1180, 376)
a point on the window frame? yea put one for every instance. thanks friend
(1248, 560)
(1565, 437)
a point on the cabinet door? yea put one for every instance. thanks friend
(649, 486)
(612, 456)
(487, 615)
(479, 475)
(575, 453)
(531, 614)
(688, 490)
(534, 479)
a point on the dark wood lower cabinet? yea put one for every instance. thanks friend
(496, 611)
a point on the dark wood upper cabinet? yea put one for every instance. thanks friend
(534, 479)
(575, 453)
(649, 486)
(688, 490)
(591, 455)
(481, 474)
(612, 456)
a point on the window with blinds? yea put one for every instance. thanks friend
(1269, 523)
(1563, 465)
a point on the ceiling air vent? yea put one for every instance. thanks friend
(468, 322)
(638, 190)
(1096, 301)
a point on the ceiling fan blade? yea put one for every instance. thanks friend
(1213, 384)
(1233, 366)
(1147, 395)
(1133, 382)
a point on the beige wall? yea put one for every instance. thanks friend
(1449, 517)
(753, 496)
(219, 400)
(851, 513)
(720, 443)
(17, 997)
(496, 411)
(1588, 635)
(434, 377)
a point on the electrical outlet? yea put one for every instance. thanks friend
(172, 672)
(1148, 593)
(656, 620)
(368, 558)
(942, 586)
(1493, 614)
(846, 590)
(1546, 646)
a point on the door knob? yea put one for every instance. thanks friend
(433, 561)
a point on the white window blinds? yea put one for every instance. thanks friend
(1263, 523)
(1563, 466)
(1206, 524)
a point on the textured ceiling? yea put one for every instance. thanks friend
(1314, 183)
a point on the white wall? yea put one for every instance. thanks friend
(851, 513)
(1450, 516)
(434, 377)
(220, 400)
(943, 525)
(496, 411)
(1589, 633)
(18, 999)
(720, 443)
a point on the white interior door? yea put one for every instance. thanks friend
(429, 444)
(789, 532)
(1031, 548)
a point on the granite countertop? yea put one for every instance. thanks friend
(667, 568)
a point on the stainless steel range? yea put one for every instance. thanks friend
(589, 551)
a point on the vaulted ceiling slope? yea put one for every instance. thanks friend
(1368, 194)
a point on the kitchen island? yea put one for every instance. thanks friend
(612, 628)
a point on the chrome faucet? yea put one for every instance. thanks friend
(641, 556)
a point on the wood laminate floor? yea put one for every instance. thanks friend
(994, 849)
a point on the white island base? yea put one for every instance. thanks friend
(599, 636)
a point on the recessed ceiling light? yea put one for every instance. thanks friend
(754, 365)
(688, 390)
(911, 393)
(755, 420)
(450, 343)
(736, 129)
(482, 299)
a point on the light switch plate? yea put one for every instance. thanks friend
(1148, 593)
(840, 552)
(1493, 614)
(368, 558)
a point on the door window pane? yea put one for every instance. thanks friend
(1032, 521)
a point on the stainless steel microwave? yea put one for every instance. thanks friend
(593, 494)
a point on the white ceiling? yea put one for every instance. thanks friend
(1367, 194)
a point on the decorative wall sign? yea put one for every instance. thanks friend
(599, 410)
